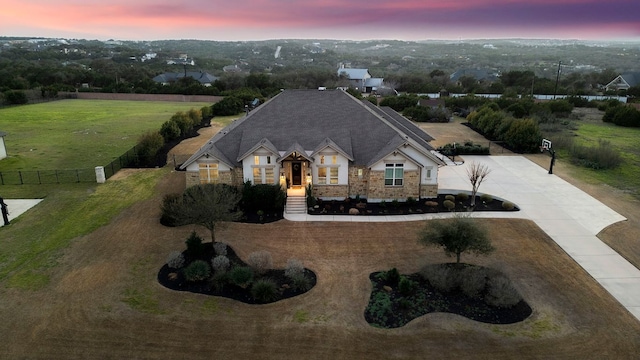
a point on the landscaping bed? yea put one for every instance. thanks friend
(474, 292)
(461, 202)
(241, 285)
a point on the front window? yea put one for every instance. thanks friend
(328, 175)
(208, 173)
(393, 174)
(264, 175)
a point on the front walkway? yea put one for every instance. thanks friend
(571, 217)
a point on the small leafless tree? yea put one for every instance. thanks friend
(476, 173)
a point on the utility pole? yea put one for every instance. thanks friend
(557, 78)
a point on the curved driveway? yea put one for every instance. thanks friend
(571, 217)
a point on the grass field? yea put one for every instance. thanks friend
(71, 134)
(627, 176)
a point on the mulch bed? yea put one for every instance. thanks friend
(174, 279)
(421, 206)
(394, 310)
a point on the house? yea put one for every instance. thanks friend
(623, 82)
(360, 79)
(3, 149)
(340, 145)
(203, 78)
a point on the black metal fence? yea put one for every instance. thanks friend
(40, 177)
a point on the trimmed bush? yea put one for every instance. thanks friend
(507, 205)
(148, 146)
(300, 282)
(260, 261)
(241, 275)
(392, 277)
(175, 260)
(450, 205)
(501, 293)
(450, 197)
(473, 281)
(294, 268)
(220, 263)
(441, 277)
(198, 270)
(406, 286)
(486, 198)
(194, 245)
(462, 197)
(264, 290)
(220, 248)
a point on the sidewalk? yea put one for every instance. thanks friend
(571, 217)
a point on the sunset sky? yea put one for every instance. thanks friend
(326, 19)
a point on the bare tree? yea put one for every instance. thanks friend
(209, 205)
(476, 174)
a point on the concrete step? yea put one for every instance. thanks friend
(296, 205)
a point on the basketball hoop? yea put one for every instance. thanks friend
(546, 145)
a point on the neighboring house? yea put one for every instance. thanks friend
(232, 69)
(481, 75)
(623, 82)
(203, 78)
(3, 149)
(328, 138)
(361, 79)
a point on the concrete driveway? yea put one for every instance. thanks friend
(18, 207)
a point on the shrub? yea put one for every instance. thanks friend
(148, 146)
(486, 198)
(265, 197)
(462, 197)
(507, 205)
(219, 280)
(194, 245)
(300, 282)
(501, 293)
(473, 281)
(170, 130)
(198, 270)
(450, 205)
(450, 197)
(411, 201)
(220, 248)
(175, 260)
(406, 286)
(264, 290)
(392, 277)
(294, 268)
(441, 277)
(241, 275)
(15, 97)
(260, 261)
(170, 210)
(230, 105)
(603, 157)
(220, 263)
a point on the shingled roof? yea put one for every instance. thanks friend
(313, 119)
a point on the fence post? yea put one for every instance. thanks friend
(39, 180)
(20, 174)
(100, 177)
(1, 178)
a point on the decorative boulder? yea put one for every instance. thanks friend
(354, 211)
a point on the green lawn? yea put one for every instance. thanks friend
(34, 242)
(70, 134)
(627, 141)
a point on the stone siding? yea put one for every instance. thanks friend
(428, 191)
(378, 190)
(330, 191)
(225, 177)
(358, 184)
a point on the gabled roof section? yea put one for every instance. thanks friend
(373, 82)
(329, 143)
(263, 143)
(354, 74)
(395, 145)
(298, 150)
(209, 149)
(404, 125)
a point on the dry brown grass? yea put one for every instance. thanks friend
(81, 315)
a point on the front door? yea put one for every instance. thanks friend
(296, 173)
